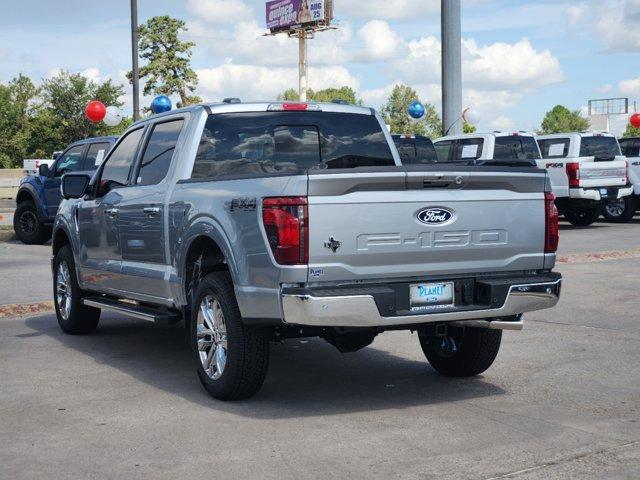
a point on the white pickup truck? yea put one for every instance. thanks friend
(586, 170)
(582, 172)
(622, 210)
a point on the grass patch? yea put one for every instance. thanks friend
(6, 228)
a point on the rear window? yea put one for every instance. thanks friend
(516, 148)
(415, 151)
(267, 143)
(630, 147)
(554, 147)
(599, 147)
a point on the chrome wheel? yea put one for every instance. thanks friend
(212, 337)
(63, 290)
(615, 208)
(28, 222)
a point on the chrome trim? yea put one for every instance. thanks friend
(361, 310)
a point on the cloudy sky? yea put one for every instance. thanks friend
(519, 57)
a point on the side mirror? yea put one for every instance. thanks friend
(43, 170)
(74, 185)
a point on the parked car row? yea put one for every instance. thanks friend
(590, 174)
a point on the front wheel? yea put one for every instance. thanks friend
(231, 358)
(462, 351)
(620, 210)
(73, 317)
(28, 227)
(582, 217)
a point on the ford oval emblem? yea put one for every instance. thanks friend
(435, 216)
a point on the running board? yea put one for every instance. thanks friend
(133, 310)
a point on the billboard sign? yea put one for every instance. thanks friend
(287, 14)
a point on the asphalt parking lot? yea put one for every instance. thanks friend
(561, 401)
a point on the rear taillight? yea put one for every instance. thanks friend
(286, 222)
(573, 172)
(551, 232)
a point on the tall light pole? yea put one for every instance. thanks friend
(302, 65)
(135, 73)
(451, 67)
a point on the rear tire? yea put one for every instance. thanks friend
(582, 217)
(621, 210)
(74, 318)
(463, 352)
(231, 358)
(28, 227)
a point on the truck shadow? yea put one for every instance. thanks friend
(306, 377)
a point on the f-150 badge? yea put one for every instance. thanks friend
(333, 244)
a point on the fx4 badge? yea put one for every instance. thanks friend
(333, 244)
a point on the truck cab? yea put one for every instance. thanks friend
(496, 146)
(587, 170)
(39, 194)
(415, 149)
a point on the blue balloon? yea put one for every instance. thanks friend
(416, 110)
(161, 104)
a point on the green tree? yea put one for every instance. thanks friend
(326, 95)
(395, 114)
(168, 69)
(65, 97)
(631, 131)
(17, 106)
(560, 120)
(468, 128)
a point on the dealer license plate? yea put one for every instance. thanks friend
(428, 296)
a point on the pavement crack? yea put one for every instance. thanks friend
(578, 456)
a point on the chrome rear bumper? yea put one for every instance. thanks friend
(361, 310)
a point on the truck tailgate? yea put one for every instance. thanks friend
(395, 223)
(603, 174)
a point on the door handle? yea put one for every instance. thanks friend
(112, 212)
(151, 211)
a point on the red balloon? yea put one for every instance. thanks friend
(634, 120)
(95, 111)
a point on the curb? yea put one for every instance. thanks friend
(597, 257)
(25, 309)
(6, 235)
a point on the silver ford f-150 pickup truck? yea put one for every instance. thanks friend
(260, 222)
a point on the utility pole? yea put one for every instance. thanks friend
(302, 65)
(451, 67)
(135, 73)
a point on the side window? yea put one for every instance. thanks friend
(70, 161)
(159, 152)
(95, 155)
(469, 148)
(116, 171)
(554, 148)
(443, 150)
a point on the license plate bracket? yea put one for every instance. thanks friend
(604, 193)
(431, 296)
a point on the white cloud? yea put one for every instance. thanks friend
(605, 88)
(388, 9)
(630, 87)
(502, 65)
(617, 24)
(502, 123)
(379, 40)
(251, 82)
(219, 12)
(575, 13)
